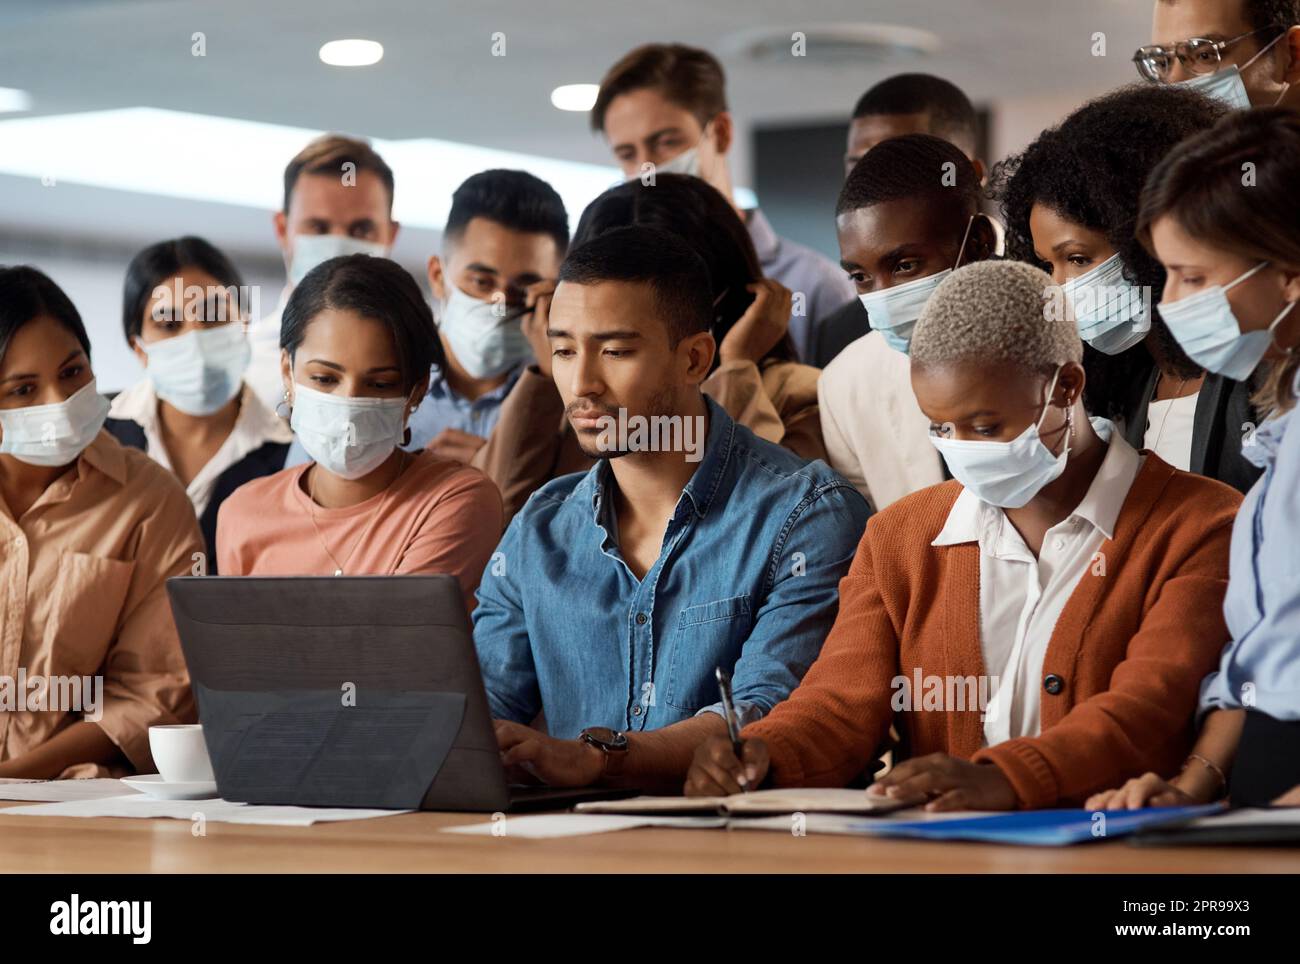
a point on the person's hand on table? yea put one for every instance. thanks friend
(535, 321)
(452, 443)
(1148, 790)
(762, 325)
(716, 772)
(948, 783)
(557, 763)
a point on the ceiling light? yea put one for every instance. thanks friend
(126, 159)
(352, 53)
(14, 100)
(578, 97)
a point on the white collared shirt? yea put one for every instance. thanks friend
(263, 372)
(1170, 425)
(1021, 598)
(254, 427)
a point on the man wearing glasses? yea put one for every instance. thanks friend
(1244, 52)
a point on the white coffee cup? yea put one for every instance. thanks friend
(180, 753)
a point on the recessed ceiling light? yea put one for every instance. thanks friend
(855, 44)
(352, 53)
(581, 97)
(14, 100)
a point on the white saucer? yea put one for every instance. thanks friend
(154, 785)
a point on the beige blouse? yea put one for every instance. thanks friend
(82, 591)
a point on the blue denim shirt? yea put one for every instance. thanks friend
(1260, 668)
(747, 579)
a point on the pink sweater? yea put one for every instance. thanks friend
(438, 517)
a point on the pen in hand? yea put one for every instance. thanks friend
(733, 724)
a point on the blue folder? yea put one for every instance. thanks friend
(1040, 828)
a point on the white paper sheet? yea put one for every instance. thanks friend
(215, 811)
(1249, 817)
(542, 825)
(53, 791)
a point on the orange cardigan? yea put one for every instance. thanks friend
(1131, 646)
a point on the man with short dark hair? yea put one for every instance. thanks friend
(338, 199)
(692, 545)
(907, 216)
(502, 246)
(913, 104)
(1244, 52)
(505, 237)
(899, 105)
(663, 108)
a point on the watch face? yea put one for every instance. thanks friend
(604, 737)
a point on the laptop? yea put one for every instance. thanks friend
(346, 691)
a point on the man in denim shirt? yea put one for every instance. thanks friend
(615, 593)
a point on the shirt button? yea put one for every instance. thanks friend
(640, 619)
(636, 710)
(1053, 684)
(1058, 544)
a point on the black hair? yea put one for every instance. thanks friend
(699, 215)
(911, 166)
(167, 259)
(1272, 13)
(676, 275)
(374, 288)
(513, 199)
(25, 294)
(952, 116)
(1090, 170)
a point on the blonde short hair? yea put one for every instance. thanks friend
(996, 312)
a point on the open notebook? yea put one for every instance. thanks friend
(760, 802)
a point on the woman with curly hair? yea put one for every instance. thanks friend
(1232, 250)
(1070, 204)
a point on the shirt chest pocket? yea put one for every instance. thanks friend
(707, 636)
(85, 609)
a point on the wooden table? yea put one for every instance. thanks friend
(412, 843)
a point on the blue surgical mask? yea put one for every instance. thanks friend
(483, 339)
(1110, 312)
(894, 311)
(1225, 84)
(310, 250)
(1209, 332)
(1007, 474)
(200, 371)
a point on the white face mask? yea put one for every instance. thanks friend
(1225, 84)
(310, 250)
(1109, 311)
(54, 434)
(687, 162)
(894, 311)
(1007, 474)
(348, 437)
(200, 371)
(485, 343)
(1209, 332)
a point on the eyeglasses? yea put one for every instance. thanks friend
(1198, 56)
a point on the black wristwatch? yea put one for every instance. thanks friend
(610, 742)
